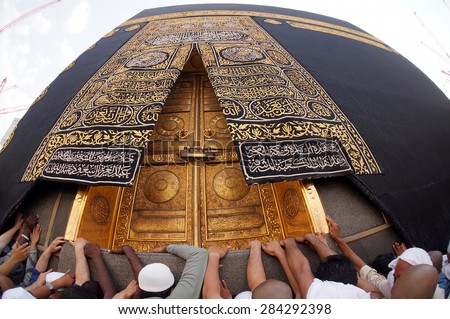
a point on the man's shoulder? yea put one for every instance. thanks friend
(335, 290)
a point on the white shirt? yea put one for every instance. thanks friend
(334, 290)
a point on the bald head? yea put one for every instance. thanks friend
(417, 282)
(272, 289)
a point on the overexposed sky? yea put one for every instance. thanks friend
(35, 50)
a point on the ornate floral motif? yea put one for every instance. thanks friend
(264, 92)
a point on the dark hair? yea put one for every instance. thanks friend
(338, 268)
(77, 292)
(381, 262)
(94, 286)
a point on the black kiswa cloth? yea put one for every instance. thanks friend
(402, 116)
(397, 110)
(40, 118)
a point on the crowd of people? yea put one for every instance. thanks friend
(405, 273)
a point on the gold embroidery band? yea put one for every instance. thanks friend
(120, 104)
(340, 33)
(297, 22)
(265, 93)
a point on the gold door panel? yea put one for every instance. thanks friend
(160, 209)
(232, 210)
(293, 208)
(98, 220)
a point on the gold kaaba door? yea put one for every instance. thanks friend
(191, 189)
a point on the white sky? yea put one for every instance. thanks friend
(37, 49)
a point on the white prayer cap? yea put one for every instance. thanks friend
(155, 277)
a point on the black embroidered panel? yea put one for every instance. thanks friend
(292, 159)
(93, 165)
(266, 95)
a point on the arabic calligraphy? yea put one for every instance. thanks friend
(93, 165)
(264, 92)
(292, 159)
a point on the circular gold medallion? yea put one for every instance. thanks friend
(291, 203)
(100, 211)
(161, 186)
(230, 184)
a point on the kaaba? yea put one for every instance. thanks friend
(220, 124)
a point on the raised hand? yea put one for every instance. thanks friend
(273, 248)
(255, 244)
(214, 250)
(35, 235)
(312, 239)
(20, 253)
(56, 244)
(42, 277)
(288, 242)
(335, 230)
(65, 280)
(121, 250)
(128, 292)
(399, 248)
(225, 292)
(18, 222)
(31, 221)
(78, 243)
(160, 249)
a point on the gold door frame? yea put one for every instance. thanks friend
(286, 209)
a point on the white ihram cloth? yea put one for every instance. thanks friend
(413, 256)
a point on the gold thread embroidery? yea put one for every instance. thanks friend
(272, 21)
(70, 65)
(41, 95)
(134, 27)
(111, 110)
(8, 139)
(338, 33)
(110, 33)
(91, 47)
(273, 16)
(264, 92)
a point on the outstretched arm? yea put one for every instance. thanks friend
(105, 280)
(299, 266)
(7, 236)
(128, 292)
(255, 268)
(53, 248)
(212, 284)
(39, 281)
(28, 227)
(375, 293)
(318, 243)
(19, 254)
(43, 291)
(191, 280)
(136, 266)
(135, 263)
(274, 248)
(81, 265)
(335, 233)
